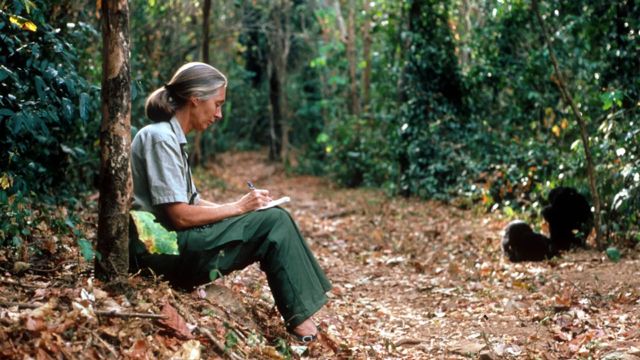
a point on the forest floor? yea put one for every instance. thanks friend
(411, 279)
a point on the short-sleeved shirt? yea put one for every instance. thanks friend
(160, 167)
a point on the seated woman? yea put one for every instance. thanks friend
(216, 238)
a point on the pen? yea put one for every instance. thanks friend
(250, 185)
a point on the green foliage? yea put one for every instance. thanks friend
(86, 249)
(17, 212)
(462, 104)
(230, 339)
(355, 157)
(515, 92)
(429, 136)
(613, 254)
(153, 235)
(48, 148)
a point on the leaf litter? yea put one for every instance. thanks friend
(412, 280)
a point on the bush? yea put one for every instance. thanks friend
(48, 113)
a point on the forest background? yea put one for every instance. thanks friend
(452, 100)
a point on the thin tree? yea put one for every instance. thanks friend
(562, 86)
(366, 54)
(112, 258)
(197, 157)
(354, 100)
(279, 43)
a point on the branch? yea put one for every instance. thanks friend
(113, 313)
(108, 313)
(583, 129)
(24, 285)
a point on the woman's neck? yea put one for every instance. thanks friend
(183, 117)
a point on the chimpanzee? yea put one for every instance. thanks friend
(569, 216)
(521, 243)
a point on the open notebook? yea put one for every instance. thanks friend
(282, 200)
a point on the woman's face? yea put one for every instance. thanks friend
(207, 112)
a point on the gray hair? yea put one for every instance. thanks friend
(194, 79)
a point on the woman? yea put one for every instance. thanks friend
(216, 238)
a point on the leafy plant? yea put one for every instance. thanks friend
(47, 118)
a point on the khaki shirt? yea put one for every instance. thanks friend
(160, 167)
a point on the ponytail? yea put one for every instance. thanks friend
(191, 80)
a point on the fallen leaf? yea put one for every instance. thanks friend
(175, 322)
(190, 350)
(138, 350)
(466, 347)
(34, 324)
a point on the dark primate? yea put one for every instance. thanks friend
(521, 243)
(569, 216)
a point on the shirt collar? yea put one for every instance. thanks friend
(177, 129)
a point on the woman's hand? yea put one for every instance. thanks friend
(253, 200)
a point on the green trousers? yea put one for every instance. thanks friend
(269, 237)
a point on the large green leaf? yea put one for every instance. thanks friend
(154, 236)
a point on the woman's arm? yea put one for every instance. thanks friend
(183, 216)
(203, 202)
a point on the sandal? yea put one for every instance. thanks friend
(303, 339)
(306, 339)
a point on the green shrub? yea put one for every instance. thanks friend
(48, 114)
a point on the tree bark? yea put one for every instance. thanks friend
(407, 18)
(366, 55)
(199, 146)
(279, 46)
(342, 29)
(561, 83)
(352, 59)
(112, 258)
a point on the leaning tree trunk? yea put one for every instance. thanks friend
(581, 123)
(112, 259)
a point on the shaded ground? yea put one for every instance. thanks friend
(412, 280)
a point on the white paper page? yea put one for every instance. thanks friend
(282, 200)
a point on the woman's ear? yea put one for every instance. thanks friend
(194, 101)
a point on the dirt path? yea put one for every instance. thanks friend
(421, 280)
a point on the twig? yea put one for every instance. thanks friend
(12, 282)
(105, 344)
(186, 314)
(113, 313)
(339, 214)
(409, 341)
(19, 305)
(217, 343)
(109, 313)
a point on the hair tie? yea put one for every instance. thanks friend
(167, 88)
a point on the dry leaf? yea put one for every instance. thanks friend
(190, 350)
(175, 322)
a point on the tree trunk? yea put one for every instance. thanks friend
(112, 258)
(279, 46)
(366, 55)
(405, 26)
(275, 117)
(342, 29)
(581, 123)
(352, 59)
(199, 146)
(464, 29)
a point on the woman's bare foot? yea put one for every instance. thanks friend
(306, 328)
